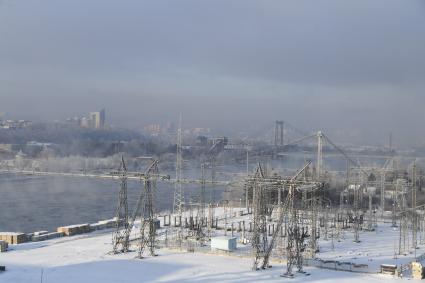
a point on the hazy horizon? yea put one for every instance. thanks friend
(355, 69)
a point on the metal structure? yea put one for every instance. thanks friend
(319, 165)
(277, 202)
(178, 203)
(259, 208)
(120, 237)
(144, 210)
(356, 215)
(147, 212)
(296, 245)
(278, 133)
(313, 246)
(414, 204)
(200, 233)
(263, 187)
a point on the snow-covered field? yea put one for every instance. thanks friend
(85, 258)
(376, 248)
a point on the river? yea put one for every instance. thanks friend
(34, 203)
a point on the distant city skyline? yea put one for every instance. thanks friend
(355, 69)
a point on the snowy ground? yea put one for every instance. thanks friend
(376, 248)
(85, 259)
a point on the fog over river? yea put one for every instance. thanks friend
(34, 203)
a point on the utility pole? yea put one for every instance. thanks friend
(382, 193)
(247, 161)
(247, 187)
(395, 204)
(403, 218)
(370, 223)
(356, 213)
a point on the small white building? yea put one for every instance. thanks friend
(223, 243)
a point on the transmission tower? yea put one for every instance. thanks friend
(259, 207)
(278, 133)
(382, 193)
(394, 208)
(261, 190)
(398, 200)
(313, 230)
(414, 214)
(356, 214)
(319, 154)
(370, 221)
(147, 225)
(295, 245)
(200, 234)
(120, 237)
(178, 205)
(291, 257)
(414, 204)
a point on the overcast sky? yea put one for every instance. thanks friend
(353, 68)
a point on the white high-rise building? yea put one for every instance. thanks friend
(97, 119)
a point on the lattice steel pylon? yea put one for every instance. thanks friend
(262, 187)
(356, 214)
(319, 166)
(296, 246)
(147, 224)
(178, 203)
(259, 208)
(282, 211)
(313, 245)
(291, 233)
(120, 237)
(278, 133)
(414, 213)
(200, 233)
